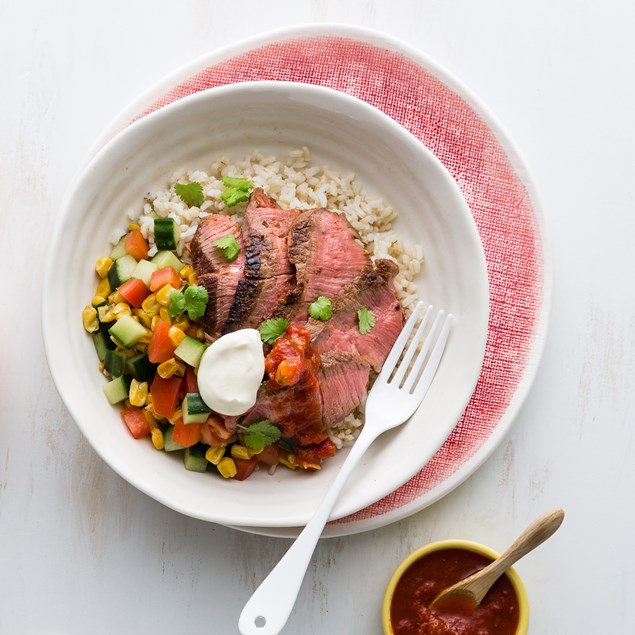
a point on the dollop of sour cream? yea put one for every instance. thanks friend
(230, 372)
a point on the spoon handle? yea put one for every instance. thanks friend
(541, 529)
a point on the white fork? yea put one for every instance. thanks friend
(391, 401)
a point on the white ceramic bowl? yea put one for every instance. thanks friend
(273, 117)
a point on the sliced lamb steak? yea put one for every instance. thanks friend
(343, 378)
(269, 277)
(205, 256)
(217, 274)
(319, 400)
(296, 410)
(327, 257)
(374, 290)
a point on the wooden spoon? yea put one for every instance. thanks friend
(468, 593)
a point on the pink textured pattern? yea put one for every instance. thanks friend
(499, 201)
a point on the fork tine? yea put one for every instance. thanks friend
(400, 344)
(421, 387)
(412, 349)
(422, 353)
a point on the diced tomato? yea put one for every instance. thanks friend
(160, 347)
(191, 383)
(186, 434)
(269, 455)
(134, 292)
(137, 422)
(165, 394)
(245, 467)
(161, 277)
(136, 245)
(310, 456)
(286, 361)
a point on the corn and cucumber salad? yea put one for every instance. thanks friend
(143, 322)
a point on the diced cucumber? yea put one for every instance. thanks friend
(144, 271)
(168, 444)
(121, 271)
(190, 350)
(117, 389)
(115, 363)
(195, 410)
(127, 331)
(102, 345)
(166, 233)
(119, 250)
(167, 259)
(194, 459)
(140, 367)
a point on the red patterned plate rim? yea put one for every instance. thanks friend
(437, 108)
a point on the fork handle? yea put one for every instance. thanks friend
(268, 609)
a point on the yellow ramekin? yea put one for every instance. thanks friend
(514, 578)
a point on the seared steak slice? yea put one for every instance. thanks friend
(205, 256)
(343, 378)
(269, 277)
(217, 274)
(327, 257)
(296, 410)
(317, 401)
(374, 290)
(221, 290)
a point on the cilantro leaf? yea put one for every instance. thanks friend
(271, 330)
(191, 193)
(321, 309)
(260, 434)
(365, 320)
(193, 300)
(177, 304)
(236, 190)
(196, 298)
(228, 245)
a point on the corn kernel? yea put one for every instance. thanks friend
(163, 294)
(176, 335)
(289, 461)
(227, 467)
(89, 317)
(186, 271)
(192, 279)
(240, 452)
(121, 309)
(148, 412)
(106, 313)
(133, 226)
(144, 318)
(103, 288)
(138, 392)
(182, 324)
(146, 337)
(214, 455)
(168, 368)
(157, 438)
(97, 300)
(178, 414)
(115, 298)
(150, 305)
(102, 266)
(164, 314)
(153, 323)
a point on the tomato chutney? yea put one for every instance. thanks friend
(427, 576)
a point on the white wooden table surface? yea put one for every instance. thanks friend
(82, 551)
